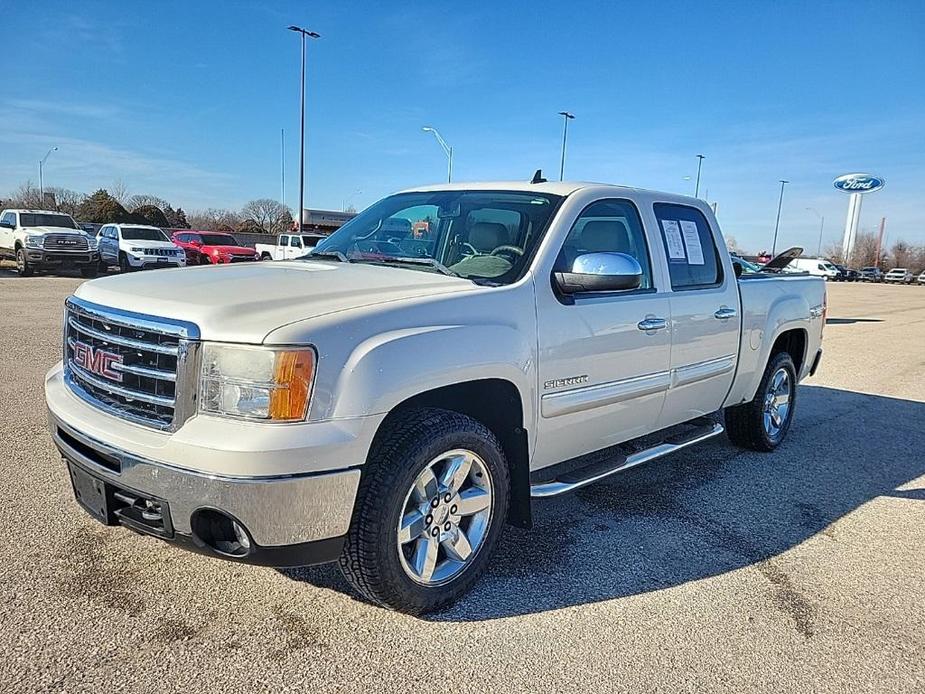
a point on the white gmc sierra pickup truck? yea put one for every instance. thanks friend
(391, 400)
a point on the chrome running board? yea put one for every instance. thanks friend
(556, 487)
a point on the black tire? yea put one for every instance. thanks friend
(89, 271)
(124, 265)
(370, 561)
(266, 256)
(745, 424)
(22, 263)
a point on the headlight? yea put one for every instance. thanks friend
(137, 250)
(93, 243)
(256, 382)
(33, 241)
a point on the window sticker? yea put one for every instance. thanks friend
(673, 241)
(692, 242)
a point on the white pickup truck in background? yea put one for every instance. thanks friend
(42, 240)
(288, 246)
(429, 371)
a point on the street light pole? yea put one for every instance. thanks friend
(821, 227)
(305, 33)
(42, 173)
(446, 150)
(700, 159)
(566, 116)
(780, 203)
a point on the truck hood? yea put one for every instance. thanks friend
(139, 243)
(245, 302)
(52, 230)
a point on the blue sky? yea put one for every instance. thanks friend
(186, 101)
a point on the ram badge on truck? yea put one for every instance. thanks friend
(434, 367)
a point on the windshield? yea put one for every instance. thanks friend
(62, 221)
(480, 235)
(143, 234)
(218, 239)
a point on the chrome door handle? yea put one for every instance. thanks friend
(725, 313)
(652, 324)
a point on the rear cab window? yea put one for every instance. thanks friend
(693, 259)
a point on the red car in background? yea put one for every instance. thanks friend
(212, 248)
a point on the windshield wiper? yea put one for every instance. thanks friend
(431, 262)
(337, 255)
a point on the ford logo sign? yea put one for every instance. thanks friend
(858, 183)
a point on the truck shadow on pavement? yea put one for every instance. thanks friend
(703, 512)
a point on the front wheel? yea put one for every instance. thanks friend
(762, 424)
(124, 265)
(429, 512)
(22, 263)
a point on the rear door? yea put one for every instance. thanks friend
(282, 247)
(603, 356)
(705, 320)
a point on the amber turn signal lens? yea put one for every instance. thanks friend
(292, 377)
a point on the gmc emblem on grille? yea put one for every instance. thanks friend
(97, 361)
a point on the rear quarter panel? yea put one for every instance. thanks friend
(770, 307)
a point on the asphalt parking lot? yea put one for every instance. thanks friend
(714, 570)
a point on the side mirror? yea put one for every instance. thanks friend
(600, 272)
(7, 225)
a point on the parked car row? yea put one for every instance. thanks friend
(43, 240)
(821, 267)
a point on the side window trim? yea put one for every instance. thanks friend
(711, 232)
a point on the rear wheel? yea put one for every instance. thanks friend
(22, 263)
(429, 511)
(763, 423)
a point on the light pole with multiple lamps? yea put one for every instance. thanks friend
(446, 150)
(700, 159)
(821, 227)
(305, 33)
(566, 116)
(780, 203)
(42, 173)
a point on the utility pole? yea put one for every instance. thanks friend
(567, 117)
(305, 33)
(700, 159)
(879, 241)
(282, 165)
(42, 173)
(780, 203)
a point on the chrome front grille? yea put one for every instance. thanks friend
(65, 242)
(169, 252)
(134, 366)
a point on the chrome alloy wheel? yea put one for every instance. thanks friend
(777, 403)
(445, 517)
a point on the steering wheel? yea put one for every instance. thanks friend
(516, 250)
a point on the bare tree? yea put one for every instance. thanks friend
(27, 196)
(833, 252)
(903, 254)
(136, 201)
(212, 219)
(119, 191)
(865, 250)
(67, 201)
(269, 215)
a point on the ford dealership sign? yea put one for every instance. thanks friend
(858, 183)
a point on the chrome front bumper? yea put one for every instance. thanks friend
(276, 510)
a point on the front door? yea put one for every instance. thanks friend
(6, 234)
(705, 321)
(603, 357)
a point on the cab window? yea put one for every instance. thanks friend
(295, 242)
(693, 260)
(607, 226)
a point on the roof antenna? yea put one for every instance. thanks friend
(538, 177)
